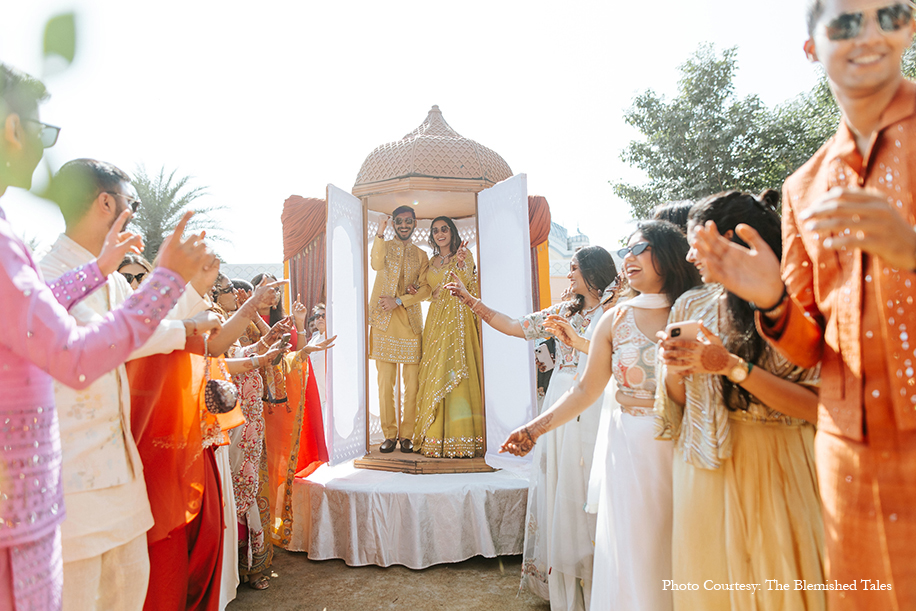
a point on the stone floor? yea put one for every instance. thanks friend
(330, 585)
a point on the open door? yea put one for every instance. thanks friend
(346, 318)
(505, 285)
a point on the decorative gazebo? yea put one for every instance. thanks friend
(437, 171)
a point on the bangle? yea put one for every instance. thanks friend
(782, 300)
(254, 361)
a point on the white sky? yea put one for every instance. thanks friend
(284, 97)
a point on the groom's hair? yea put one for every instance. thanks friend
(402, 210)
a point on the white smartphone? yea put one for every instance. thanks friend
(687, 329)
(542, 354)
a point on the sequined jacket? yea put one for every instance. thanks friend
(38, 340)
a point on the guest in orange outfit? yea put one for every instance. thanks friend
(848, 267)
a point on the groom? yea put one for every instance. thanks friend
(396, 323)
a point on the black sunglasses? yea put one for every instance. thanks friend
(47, 134)
(637, 249)
(133, 202)
(131, 277)
(849, 25)
(220, 291)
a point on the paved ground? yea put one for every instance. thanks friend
(474, 585)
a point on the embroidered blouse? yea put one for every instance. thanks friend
(633, 359)
(700, 429)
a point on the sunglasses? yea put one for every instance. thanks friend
(317, 316)
(131, 277)
(133, 202)
(47, 134)
(220, 291)
(890, 19)
(403, 221)
(637, 249)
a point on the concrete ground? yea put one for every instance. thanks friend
(473, 585)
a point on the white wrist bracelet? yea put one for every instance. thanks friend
(254, 361)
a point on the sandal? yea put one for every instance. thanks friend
(260, 583)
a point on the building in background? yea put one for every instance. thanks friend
(561, 248)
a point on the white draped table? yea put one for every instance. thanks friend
(381, 518)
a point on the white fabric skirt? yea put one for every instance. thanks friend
(633, 533)
(559, 534)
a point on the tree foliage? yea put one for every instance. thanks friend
(165, 199)
(707, 139)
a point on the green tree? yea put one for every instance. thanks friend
(707, 140)
(165, 199)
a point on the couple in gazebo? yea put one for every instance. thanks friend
(442, 413)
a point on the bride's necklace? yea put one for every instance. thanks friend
(443, 259)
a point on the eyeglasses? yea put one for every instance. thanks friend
(47, 134)
(317, 316)
(637, 249)
(405, 221)
(436, 230)
(133, 202)
(890, 19)
(220, 291)
(131, 277)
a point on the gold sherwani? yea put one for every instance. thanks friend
(394, 336)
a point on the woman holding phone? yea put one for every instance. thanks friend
(633, 538)
(741, 417)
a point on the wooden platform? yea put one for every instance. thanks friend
(399, 462)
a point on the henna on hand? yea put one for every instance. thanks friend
(486, 314)
(714, 358)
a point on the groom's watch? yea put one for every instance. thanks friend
(739, 372)
(398, 301)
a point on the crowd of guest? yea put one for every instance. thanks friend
(156, 414)
(729, 424)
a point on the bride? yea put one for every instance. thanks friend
(450, 409)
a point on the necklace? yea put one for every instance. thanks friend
(443, 259)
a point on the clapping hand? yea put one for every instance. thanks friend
(865, 220)
(560, 328)
(750, 273)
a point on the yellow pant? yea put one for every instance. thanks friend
(387, 379)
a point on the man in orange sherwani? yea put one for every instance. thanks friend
(846, 298)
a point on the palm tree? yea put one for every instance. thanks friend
(165, 199)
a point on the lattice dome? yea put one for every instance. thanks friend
(433, 150)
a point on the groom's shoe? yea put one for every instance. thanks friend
(406, 446)
(388, 446)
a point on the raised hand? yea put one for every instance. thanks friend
(847, 219)
(117, 244)
(300, 313)
(750, 273)
(319, 346)
(462, 253)
(204, 280)
(382, 225)
(184, 256)
(242, 295)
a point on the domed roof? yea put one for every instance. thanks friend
(433, 150)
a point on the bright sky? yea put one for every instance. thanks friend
(284, 97)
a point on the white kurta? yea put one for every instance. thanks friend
(104, 490)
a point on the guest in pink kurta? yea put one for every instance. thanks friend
(39, 341)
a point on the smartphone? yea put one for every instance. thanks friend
(542, 354)
(284, 343)
(687, 329)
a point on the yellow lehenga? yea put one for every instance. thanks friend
(450, 410)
